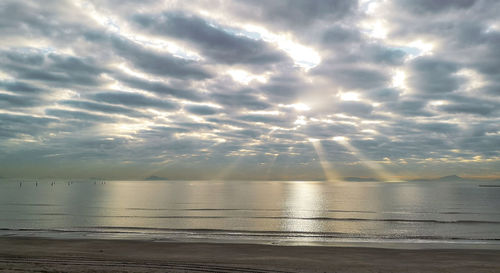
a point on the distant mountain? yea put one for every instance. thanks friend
(445, 178)
(451, 178)
(154, 177)
(359, 179)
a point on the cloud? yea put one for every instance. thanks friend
(470, 108)
(15, 125)
(159, 88)
(290, 14)
(213, 42)
(20, 87)
(78, 115)
(134, 100)
(429, 6)
(156, 62)
(384, 94)
(172, 88)
(201, 109)
(14, 101)
(103, 108)
(431, 75)
(53, 69)
(242, 99)
(353, 77)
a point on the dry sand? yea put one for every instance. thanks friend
(51, 255)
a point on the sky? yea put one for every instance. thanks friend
(253, 89)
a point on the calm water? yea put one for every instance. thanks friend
(444, 214)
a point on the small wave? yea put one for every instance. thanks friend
(239, 209)
(349, 219)
(29, 205)
(226, 233)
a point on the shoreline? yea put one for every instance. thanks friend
(254, 238)
(33, 254)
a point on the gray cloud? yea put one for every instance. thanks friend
(429, 6)
(354, 108)
(218, 44)
(158, 63)
(77, 88)
(13, 101)
(79, 115)
(104, 108)
(286, 14)
(20, 87)
(134, 100)
(470, 108)
(13, 125)
(385, 94)
(243, 99)
(54, 69)
(430, 75)
(160, 88)
(201, 109)
(409, 107)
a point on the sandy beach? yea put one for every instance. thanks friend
(53, 255)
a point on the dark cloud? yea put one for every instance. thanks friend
(213, 42)
(79, 115)
(48, 20)
(14, 101)
(160, 88)
(242, 99)
(342, 35)
(163, 64)
(14, 125)
(20, 87)
(385, 55)
(431, 75)
(54, 69)
(103, 108)
(353, 77)
(470, 108)
(134, 100)
(201, 109)
(439, 127)
(384, 94)
(430, 6)
(286, 14)
(408, 107)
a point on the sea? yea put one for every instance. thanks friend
(426, 214)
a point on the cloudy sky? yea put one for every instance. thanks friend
(250, 89)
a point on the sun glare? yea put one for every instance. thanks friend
(399, 79)
(340, 138)
(245, 77)
(375, 29)
(303, 56)
(349, 96)
(328, 171)
(425, 48)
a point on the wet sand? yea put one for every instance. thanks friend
(53, 255)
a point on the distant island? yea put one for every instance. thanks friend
(154, 177)
(360, 179)
(444, 179)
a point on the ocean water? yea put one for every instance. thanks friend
(375, 214)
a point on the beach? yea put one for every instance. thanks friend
(23, 254)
